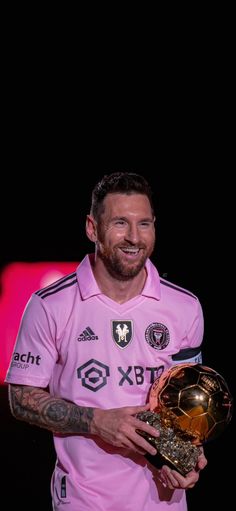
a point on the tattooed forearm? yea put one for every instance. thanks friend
(36, 406)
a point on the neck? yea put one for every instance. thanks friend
(118, 290)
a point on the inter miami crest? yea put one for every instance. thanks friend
(157, 335)
(122, 332)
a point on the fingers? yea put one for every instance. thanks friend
(170, 477)
(142, 444)
(173, 480)
(138, 431)
(122, 428)
(146, 428)
(130, 434)
(202, 462)
(144, 432)
(133, 410)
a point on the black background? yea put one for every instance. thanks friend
(193, 249)
(67, 122)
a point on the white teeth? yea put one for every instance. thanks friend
(130, 250)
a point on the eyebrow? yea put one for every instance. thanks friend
(146, 219)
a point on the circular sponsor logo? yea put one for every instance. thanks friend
(157, 335)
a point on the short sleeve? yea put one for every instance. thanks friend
(190, 351)
(35, 352)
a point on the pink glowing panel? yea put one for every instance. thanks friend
(18, 282)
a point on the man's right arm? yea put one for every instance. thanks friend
(36, 406)
(116, 426)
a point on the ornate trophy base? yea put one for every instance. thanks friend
(175, 447)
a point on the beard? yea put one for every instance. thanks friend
(120, 269)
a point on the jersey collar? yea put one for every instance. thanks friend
(88, 285)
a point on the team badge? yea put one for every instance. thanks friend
(157, 335)
(122, 332)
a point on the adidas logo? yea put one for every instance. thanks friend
(87, 335)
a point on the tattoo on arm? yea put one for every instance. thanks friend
(36, 406)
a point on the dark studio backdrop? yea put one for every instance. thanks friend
(161, 106)
(48, 216)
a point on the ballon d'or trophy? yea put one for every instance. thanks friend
(190, 404)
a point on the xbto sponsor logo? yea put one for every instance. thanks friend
(94, 375)
(138, 375)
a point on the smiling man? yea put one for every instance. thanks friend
(124, 235)
(101, 336)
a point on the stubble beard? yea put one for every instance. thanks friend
(119, 270)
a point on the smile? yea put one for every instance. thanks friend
(130, 251)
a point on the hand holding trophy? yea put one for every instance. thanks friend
(190, 404)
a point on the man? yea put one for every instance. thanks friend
(98, 339)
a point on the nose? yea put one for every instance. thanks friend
(132, 234)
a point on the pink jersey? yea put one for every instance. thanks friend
(98, 353)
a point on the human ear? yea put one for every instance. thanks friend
(91, 228)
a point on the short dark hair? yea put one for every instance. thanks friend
(119, 182)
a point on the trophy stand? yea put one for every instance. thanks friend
(174, 447)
